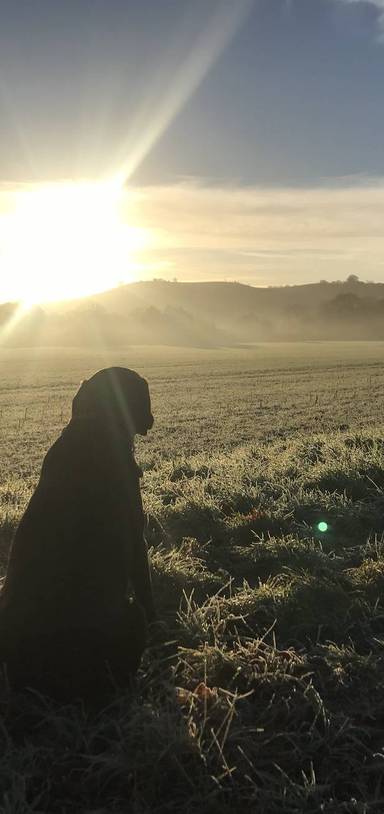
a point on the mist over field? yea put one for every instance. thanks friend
(201, 315)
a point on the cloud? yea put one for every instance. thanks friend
(264, 235)
(376, 4)
(379, 4)
(258, 235)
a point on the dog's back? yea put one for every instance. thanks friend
(70, 555)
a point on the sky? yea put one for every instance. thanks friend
(245, 136)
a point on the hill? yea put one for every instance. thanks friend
(223, 300)
(205, 314)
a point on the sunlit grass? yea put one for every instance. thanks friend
(262, 690)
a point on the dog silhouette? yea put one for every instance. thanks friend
(67, 625)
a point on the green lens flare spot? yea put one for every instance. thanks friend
(322, 526)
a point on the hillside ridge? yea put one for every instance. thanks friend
(203, 314)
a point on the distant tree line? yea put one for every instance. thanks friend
(353, 310)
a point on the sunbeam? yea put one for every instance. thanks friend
(67, 239)
(10, 325)
(226, 20)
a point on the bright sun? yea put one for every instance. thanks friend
(67, 240)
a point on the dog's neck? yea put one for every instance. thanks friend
(96, 425)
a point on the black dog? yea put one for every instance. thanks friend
(66, 625)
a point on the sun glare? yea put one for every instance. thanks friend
(66, 240)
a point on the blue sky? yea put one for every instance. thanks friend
(278, 101)
(295, 97)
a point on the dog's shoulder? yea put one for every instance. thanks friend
(72, 457)
(89, 457)
(52, 460)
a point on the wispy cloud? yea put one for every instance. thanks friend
(263, 235)
(258, 235)
(376, 4)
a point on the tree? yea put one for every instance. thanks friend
(353, 278)
(345, 305)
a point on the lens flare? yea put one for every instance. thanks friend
(322, 526)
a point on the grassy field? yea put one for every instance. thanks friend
(263, 690)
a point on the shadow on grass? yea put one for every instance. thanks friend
(356, 485)
(223, 707)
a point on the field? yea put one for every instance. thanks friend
(263, 688)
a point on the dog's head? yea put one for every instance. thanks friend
(117, 395)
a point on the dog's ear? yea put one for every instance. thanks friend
(79, 403)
